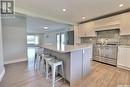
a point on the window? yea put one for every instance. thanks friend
(32, 39)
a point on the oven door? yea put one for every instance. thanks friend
(111, 51)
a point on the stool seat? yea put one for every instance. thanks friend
(47, 58)
(54, 62)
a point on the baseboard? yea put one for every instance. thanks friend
(15, 61)
(2, 75)
(123, 67)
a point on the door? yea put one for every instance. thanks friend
(111, 51)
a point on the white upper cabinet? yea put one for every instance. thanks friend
(121, 21)
(86, 30)
(107, 23)
(125, 24)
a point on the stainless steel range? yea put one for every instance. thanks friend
(106, 48)
(106, 53)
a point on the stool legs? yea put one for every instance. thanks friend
(62, 69)
(53, 75)
(40, 60)
(47, 66)
(35, 59)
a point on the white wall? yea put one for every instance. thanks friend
(1, 54)
(76, 37)
(35, 25)
(14, 39)
(50, 37)
(41, 39)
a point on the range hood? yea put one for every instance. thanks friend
(108, 27)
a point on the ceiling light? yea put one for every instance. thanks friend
(83, 17)
(121, 5)
(63, 10)
(45, 27)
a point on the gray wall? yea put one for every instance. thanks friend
(1, 51)
(14, 38)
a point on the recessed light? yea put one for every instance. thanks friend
(83, 17)
(121, 5)
(45, 27)
(64, 10)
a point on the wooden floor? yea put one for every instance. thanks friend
(101, 75)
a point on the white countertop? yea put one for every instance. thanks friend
(124, 46)
(67, 48)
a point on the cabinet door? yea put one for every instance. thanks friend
(125, 24)
(90, 29)
(122, 58)
(75, 66)
(107, 23)
(86, 29)
(86, 61)
(81, 30)
(128, 58)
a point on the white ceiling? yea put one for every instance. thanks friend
(36, 25)
(52, 9)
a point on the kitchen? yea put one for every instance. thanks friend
(85, 51)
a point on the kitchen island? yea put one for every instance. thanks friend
(76, 60)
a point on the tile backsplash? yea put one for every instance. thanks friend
(114, 33)
(125, 39)
(88, 39)
(111, 35)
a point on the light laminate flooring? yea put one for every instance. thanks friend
(22, 74)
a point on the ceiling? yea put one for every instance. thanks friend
(76, 9)
(36, 25)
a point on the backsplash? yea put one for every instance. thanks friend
(108, 34)
(125, 39)
(112, 35)
(88, 39)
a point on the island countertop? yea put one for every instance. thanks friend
(66, 48)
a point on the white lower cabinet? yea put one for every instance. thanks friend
(123, 60)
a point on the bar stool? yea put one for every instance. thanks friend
(37, 60)
(47, 58)
(38, 57)
(54, 63)
(42, 61)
